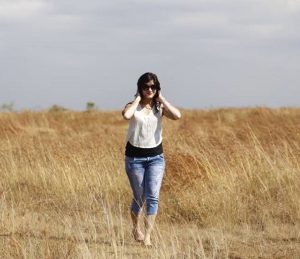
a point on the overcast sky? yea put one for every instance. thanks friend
(206, 53)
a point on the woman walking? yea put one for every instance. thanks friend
(144, 158)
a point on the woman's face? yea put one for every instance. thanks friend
(149, 90)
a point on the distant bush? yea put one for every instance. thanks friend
(90, 106)
(57, 108)
(7, 107)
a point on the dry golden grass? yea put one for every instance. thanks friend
(231, 189)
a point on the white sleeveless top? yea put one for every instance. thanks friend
(145, 131)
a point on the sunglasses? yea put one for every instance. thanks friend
(146, 87)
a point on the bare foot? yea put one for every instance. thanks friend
(147, 241)
(138, 235)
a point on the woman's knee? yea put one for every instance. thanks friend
(152, 204)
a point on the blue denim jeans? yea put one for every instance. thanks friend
(145, 175)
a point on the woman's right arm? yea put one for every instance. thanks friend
(130, 108)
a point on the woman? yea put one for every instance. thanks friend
(144, 159)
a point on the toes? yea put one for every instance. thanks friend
(147, 244)
(138, 236)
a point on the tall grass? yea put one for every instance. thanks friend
(231, 188)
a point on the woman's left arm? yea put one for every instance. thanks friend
(168, 109)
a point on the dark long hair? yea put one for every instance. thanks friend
(144, 79)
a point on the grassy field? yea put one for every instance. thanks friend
(231, 188)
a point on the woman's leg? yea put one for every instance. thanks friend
(154, 173)
(136, 231)
(135, 172)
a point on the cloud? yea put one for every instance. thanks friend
(78, 49)
(293, 5)
(20, 9)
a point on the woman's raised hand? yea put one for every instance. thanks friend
(137, 95)
(160, 98)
